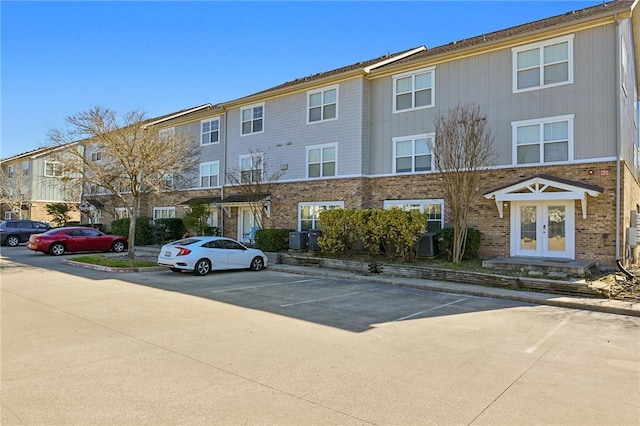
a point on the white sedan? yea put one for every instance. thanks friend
(205, 254)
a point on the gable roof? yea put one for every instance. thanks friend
(544, 187)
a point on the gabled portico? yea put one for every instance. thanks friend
(542, 214)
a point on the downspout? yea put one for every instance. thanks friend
(618, 133)
(618, 137)
(223, 170)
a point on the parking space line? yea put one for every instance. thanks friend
(327, 298)
(261, 286)
(429, 310)
(551, 332)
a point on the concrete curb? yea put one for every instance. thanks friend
(110, 269)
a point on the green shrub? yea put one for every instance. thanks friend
(169, 229)
(445, 243)
(272, 240)
(393, 232)
(144, 229)
(340, 230)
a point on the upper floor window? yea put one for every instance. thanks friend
(413, 90)
(547, 140)
(434, 209)
(412, 154)
(11, 171)
(96, 156)
(164, 213)
(309, 213)
(251, 168)
(322, 104)
(210, 174)
(52, 169)
(322, 160)
(210, 131)
(25, 168)
(167, 133)
(544, 64)
(252, 119)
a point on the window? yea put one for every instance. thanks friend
(412, 154)
(25, 168)
(251, 168)
(413, 90)
(168, 181)
(434, 210)
(52, 169)
(309, 213)
(322, 160)
(166, 133)
(543, 141)
(251, 119)
(164, 213)
(7, 215)
(322, 105)
(210, 131)
(11, 171)
(122, 212)
(210, 174)
(544, 64)
(96, 156)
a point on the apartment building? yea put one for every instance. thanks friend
(31, 180)
(559, 96)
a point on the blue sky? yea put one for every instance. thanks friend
(59, 58)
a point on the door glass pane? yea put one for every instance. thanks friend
(528, 226)
(557, 228)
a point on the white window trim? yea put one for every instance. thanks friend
(122, 212)
(209, 120)
(430, 140)
(541, 121)
(264, 110)
(208, 163)
(339, 204)
(320, 147)
(251, 157)
(387, 204)
(431, 70)
(540, 45)
(166, 208)
(322, 90)
(46, 163)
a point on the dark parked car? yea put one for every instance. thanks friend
(76, 238)
(16, 231)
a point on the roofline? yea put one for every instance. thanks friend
(178, 114)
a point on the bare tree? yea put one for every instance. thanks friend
(124, 157)
(463, 147)
(254, 181)
(14, 189)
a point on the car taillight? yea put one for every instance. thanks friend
(183, 251)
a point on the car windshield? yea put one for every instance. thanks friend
(185, 242)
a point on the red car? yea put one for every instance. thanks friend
(76, 238)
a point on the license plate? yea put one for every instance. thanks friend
(167, 254)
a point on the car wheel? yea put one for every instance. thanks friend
(118, 246)
(257, 264)
(203, 267)
(12, 240)
(57, 249)
(176, 270)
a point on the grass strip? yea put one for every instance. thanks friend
(113, 262)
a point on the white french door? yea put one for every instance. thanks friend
(543, 229)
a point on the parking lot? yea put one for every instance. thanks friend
(84, 346)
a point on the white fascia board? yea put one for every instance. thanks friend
(394, 58)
